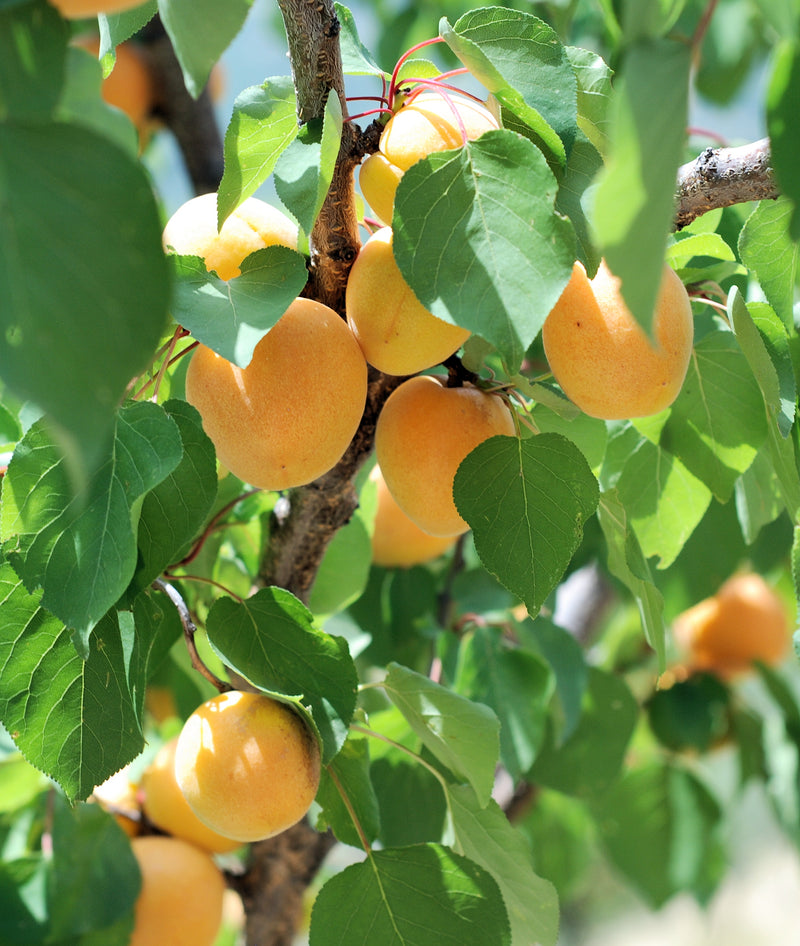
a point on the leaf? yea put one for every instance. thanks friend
(782, 94)
(633, 205)
(766, 248)
(520, 60)
(717, 423)
(485, 835)
(461, 734)
(344, 571)
(200, 31)
(691, 715)
(357, 60)
(107, 282)
(262, 125)
(594, 94)
(412, 806)
(698, 244)
(22, 892)
(664, 501)
(659, 825)
(72, 718)
(232, 316)
(350, 771)
(115, 28)
(304, 170)
(527, 502)
(33, 48)
(582, 166)
(424, 895)
(81, 550)
(478, 241)
(516, 684)
(271, 640)
(589, 761)
(173, 512)
(627, 563)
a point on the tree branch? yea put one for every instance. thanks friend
(722, 177)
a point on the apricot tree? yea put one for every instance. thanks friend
(480, 751)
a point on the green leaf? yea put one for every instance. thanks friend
(72, 718)
(173, 512)
(33, 48)
(262, 125)
(766, 248)
(23, 919)
(784, 138)
(349, 770)
(516, 684)
(759, 495)
(717, 423)
(519, 59)
(149, 631)
(232, 316)
(664, 501)
(485, 835)
(461, 734)
(477, 239)
(357, 60)
(344, 571)
(271, 640)
(691, 715)
(627, 563)
(594, 95)
(94, 878)
(698, 244)
(20, 783)
(200, 31)
(633, 205)
(589, 761)
(424, 895)
(115, 28)
(547, 491)
(659, 825)
(61, 252)
(412, 806)
(81, 550)
(582, 166)
(304, 170)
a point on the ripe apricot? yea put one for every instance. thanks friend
(397, 541)
(248, 765)
(289, 416)
(423, 433)
(744, 622)
(255, 224)
(428, 122)
(165, 805)
(129, 86)
(604, 361)
(397, 334)
(78, 9)
(182, 893)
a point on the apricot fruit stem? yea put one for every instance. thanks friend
(457, 374)
(393, 84)
(212, 525)
(350, 810)
(189, 630)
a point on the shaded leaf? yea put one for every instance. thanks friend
(412, 806)
(33, 49)
(350, 771)
(594, 94)
(784, 139)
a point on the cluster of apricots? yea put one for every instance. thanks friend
(243, 768)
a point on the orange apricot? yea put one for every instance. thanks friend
(255, 224)
(397, 334)
(289, 416)
(166, 807)
(247, 765)
(78, 9)
(604, 361)
(423, 433)
(378, 179)
(397, 541)
(182, 895)
(744, 622)
(129, 86)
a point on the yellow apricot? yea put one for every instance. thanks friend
(397, 541)
(165, 805)
(378, 179)
(744, 622)
(78, 9)
(604, 361)
(182, 894)
(130, 86)
(118, 796)
(397, 334)
(423, 433)
(247, 765)
(255, 224)
(289, 416)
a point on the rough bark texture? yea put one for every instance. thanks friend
(722, 177)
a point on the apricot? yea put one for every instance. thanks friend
(744, 622)
(423, 433)
(165, 805)
(118, 796)
(129, 86)
(397, 334)
(397, 541)
(78, 9)
(604, 361)
(247, 765)
(182, 894)
(428, 122)
(289, 416)
(255, 224)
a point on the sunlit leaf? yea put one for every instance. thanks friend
(766, 248)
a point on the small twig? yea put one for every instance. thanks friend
(701, 30)
(212, 525)
(189, 630)
(445, 600)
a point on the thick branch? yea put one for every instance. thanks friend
(722, 177)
